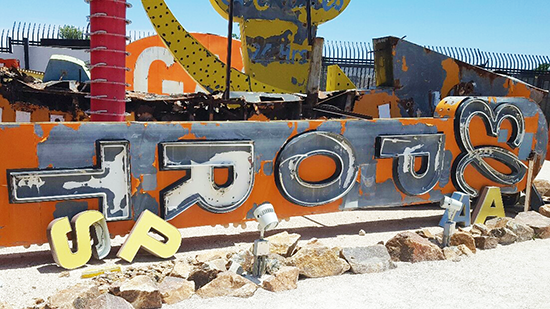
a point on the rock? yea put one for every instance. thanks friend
(362, 233)
(202, 275)
(426, 233)
(410, 247)
(228, 284)
(286, 278)
(543, 186)
(497, 222)
(364, 260)
(465, 250)
(486, 242)
(173, 290)
(452, 254)
(316, 260)
(479, 228)
(77, 296)
(272, 265)
(536, 221)
(141, 292)
(109, 301)
(504, 235)
(218, 265)
(523, 231)
(463, 238)
(182, 269)
(283, 243)
(214, 255)
(245, 258)
(545, 210)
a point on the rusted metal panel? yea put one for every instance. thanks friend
(414, 73)
(173, 169)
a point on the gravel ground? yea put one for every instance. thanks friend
(507, 277)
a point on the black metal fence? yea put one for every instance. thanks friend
(34, 33)
(356, 59)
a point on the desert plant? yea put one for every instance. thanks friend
(70, 33)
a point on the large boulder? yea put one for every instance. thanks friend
(283, 243)
(286, 278)
(203, 274)
(316, 260)
(182, 269)
(463, 238)
(504, 235)
(142, 292)
(523, 231)
(536, 221)
(109, 301)
(486, 242)
(372, 259)
(78, 296)
(243, 258)
(175, 290)
(497, 222)
(410, 247)
(545, 210)
(228, 284)
(543, 186)
(479, 229)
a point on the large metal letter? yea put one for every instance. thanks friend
(309, 144)
(475, 155)
(199, 159)
(139, 238)
(110, 181)
(83, 223)
(405, 148)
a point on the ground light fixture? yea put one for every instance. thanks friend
(453, 207)
(267, 220)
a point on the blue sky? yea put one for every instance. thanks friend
(491, 25)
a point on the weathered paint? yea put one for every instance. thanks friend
(151, 65)
(38, 113)
(198, 61)
(354, 146)
(275, 37)
(369, 100)
(414, 73)
(337, 79)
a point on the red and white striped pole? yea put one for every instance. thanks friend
(108, 59)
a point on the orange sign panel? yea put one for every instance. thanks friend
(153, 69)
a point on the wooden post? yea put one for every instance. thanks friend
(314, 80)
(529, 182)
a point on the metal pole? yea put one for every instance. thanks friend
(229, 51)
(26, 51)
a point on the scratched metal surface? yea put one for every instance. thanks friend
(59, 169)
(412, 79)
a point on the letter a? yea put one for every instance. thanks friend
(139, 237)
(489, 204)
(82, 223)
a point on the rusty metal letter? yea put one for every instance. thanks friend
(199, 159)
(297, 190)
(410, 179)
(109, 181)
